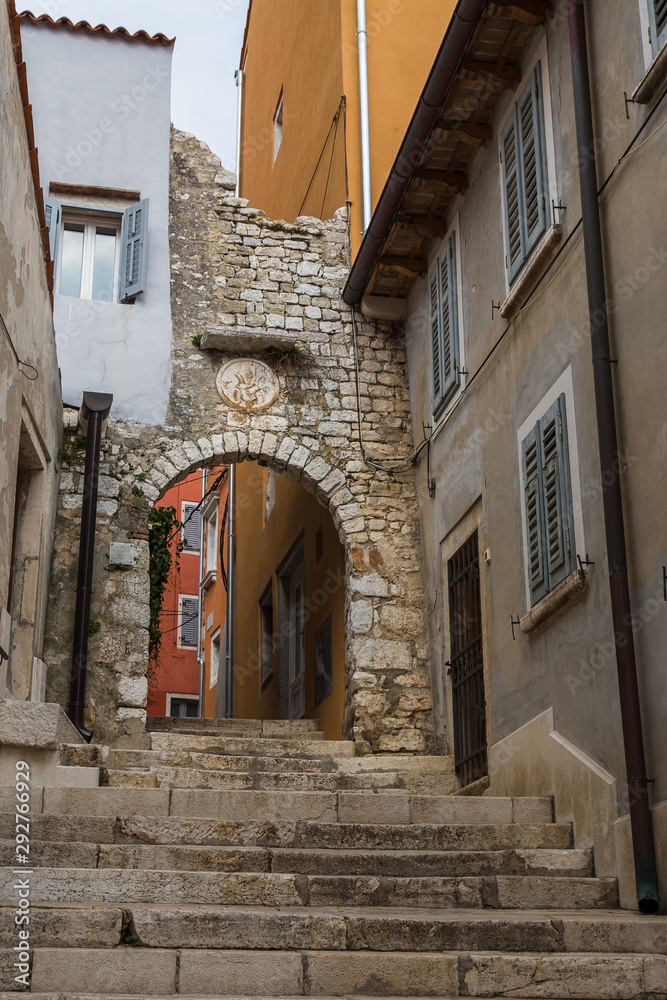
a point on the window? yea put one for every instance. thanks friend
(657, 16)
(189, 621)
(215, 659)
(191, 519)
(445, 352)
(98, 255)
(548, 507)
(525, 176)
(212, 543)
(182, 707)
(266, 635)
(278, 127)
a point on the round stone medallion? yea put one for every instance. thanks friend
(247, 384)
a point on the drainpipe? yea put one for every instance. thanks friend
(200, 611)
(231, 596)
(640, 814)
(362, 48)
(238, 76)
(94, 411)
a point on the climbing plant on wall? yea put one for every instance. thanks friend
(164, 524)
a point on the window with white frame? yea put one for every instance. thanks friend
(98, 254)
(212, 542)
(266, 635)
(215, 659)
(657, 19)
(191, 530)
(278, 127)
(188, 620)
(525, 177)
(182, 706)
(548, 508)
(444, 329)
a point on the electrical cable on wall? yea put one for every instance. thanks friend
(334, 122)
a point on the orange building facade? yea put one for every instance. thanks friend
(298, 59)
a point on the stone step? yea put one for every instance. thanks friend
(304, 862)
(277, 889)
(262, 727)
(356, 929)
(160, 971)
(121, 827)
(303, 781)
(308, 746)
(386, 806)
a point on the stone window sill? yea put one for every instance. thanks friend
(568, 592)
(248, 339)
(543, 254)
(209, 579)
(653, 79)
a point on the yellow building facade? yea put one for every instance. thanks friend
(299, 59)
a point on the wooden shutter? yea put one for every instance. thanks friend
(533, 492)
(513, 197)
(557, 494)
(191, 527)
(189, 621)
(52, 211)
(657, 12)
(133, 250)
(444, 327)
(530, 122)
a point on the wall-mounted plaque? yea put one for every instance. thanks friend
(323, 663)
(247, 384)
(122, 553)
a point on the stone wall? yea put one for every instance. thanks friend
(250, 287)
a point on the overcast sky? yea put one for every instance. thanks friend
(208, 34)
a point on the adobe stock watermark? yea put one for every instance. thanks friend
(23, 873)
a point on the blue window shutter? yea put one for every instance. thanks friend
(133, 250)
(557, 494)
(530, 121)
(450, 319)
(513, 197)
(52, 211)
(657, 12)
(436, 353)
(189, 621)
(533, 492)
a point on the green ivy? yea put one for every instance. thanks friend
(164, 523)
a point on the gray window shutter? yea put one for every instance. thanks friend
(513, 197)
(436, 353)
(52, 211)
(450, 337)
(657, 12)
(189, 621)
(532, 483)
(133, 250)
(557, 494)
(191, 528)
(530, 121)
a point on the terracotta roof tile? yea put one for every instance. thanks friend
(64, 22)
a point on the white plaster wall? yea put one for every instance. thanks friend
(102, 117)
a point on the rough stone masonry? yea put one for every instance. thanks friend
(251, 287)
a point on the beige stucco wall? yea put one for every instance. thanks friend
(29, 410)
(569, 667)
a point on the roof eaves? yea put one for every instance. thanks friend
(64, 22)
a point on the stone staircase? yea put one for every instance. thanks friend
(244, 859)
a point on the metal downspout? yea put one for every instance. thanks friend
(238, 76)
(94, 411)
(231, 597)
(200, 610)
(640, 814)
(364, 125)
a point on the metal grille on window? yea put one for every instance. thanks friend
(467, 665)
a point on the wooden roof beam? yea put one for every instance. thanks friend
(509, 75)
(428, 228)
(531, 12)
(455, 179)
(472, 133)
(411, 267)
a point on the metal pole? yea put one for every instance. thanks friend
(231, 596)
(238, 76)
(200, 609)
(640, 814)
(364, 126)
(94, 411)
